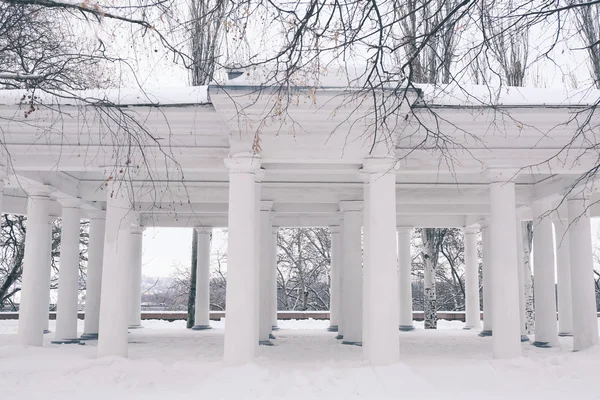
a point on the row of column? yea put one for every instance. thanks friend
(113, 287)
(566, 234)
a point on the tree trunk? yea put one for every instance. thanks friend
(527, 244)
(192, 294)
(429, 261)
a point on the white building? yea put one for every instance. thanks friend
(254, 159)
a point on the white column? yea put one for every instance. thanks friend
(94, 275)
(486, 245)
(48, 266)
(383, 308)
(546, 329)
(341, 271)
(68, 274)
(265, 264)
(506, 340)
(405, 279)
(472, 311)
(563, 274)
(521, 269)
(33, 309)
(114, 298)
(274, 299)
(585, 322)
(334, 290)
(202, 306)
(366, 266)
(135, 268)
(352, 275)
(241, 326)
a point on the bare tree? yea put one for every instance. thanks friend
(588, 24)
(303, 268)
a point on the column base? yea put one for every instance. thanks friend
(66, 341)
(352, 343)
(543, 345)
(265, 343)
(274, 328)
(201, 327)
(485, 333)
(332, 328)
(89, 336)
(565, 334)
(406, 328)
(339, 337)
(134, 327)
(271, 336)
(468, 328)
(524, 338)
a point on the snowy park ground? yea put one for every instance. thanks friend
(306, 363)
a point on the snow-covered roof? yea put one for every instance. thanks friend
(465, 95)
(186, 95)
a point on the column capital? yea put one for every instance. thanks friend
(579, 193)
(485, 223)
(266, 205)
(471, 230)
(203, 230)
(560, 212)
(96, 214)
(137, 229)
(38, 190)
(404, 229)
(241, 163)
(69, 202)
(501, 175)
(335, 229)
(379, 165)
(351, 205)
(275, 230)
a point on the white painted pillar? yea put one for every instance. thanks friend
(94, 275)
(563, 274)
(546, 329)
(116, 286)
(506, 340)
(472, 311)
(274, 299)
(486, 245)
(366, 266)
(48, 267)
(585, 322)
(68, 274)
(352, 275)
(334, 290)
(265, 265)
(135, 269)
(33, 309)
(202, 306)
(521, 268)
(241, 326)
(383, 308)
(341, 272)
(405, 279)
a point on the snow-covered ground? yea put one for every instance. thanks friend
(168, 362)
